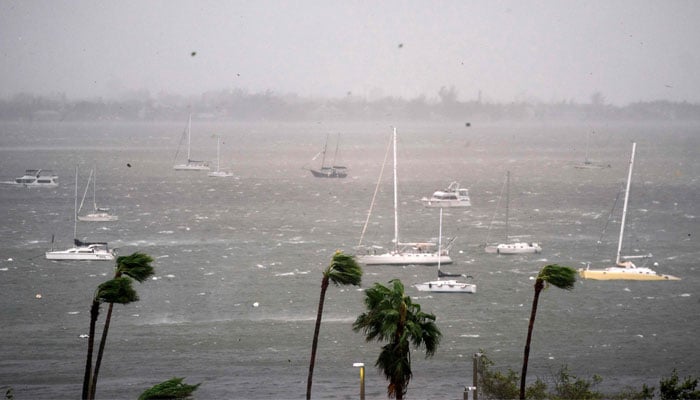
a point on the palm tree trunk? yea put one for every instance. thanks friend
(539, 285)
(317, 329)
(94, 313)
(100, 352)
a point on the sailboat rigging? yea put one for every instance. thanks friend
(402, 253)
(507, 247)
(190, 164)
(219, 173)
(625, 270)
(83, 251)
(448, 285)
(332, 171)
(99, 214)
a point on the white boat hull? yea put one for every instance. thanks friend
(81, 254)
(98, 217)
(445, 203)
(446, 286)
(192, 167)
(514, 248)
(623, 273)
(403, 259)
(220, 174)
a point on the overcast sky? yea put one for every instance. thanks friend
(558, 50)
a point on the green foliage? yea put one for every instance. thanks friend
(392, 317)
(136, 266)
(170, 389)
(671, 388)
(344, 270)
(629, 393)
(117, 290)
(559, 276)
(569, 386)
(9, 393)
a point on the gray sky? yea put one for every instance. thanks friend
(558, 50)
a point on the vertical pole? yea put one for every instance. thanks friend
(362, 379)
(475, 374)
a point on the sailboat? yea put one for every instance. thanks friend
(624, 269)
(190, 165)
(99, 214)
(403, 253)
(83, 251)
(332, 171)
(507, 247)
(587, 163)
(219, 173)
(447, 285)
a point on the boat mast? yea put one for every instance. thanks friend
(507, 201)
(396, 201)
(624, 207)
(94, 195)
(75, 209)
(337, 146)
(218, 152)
(323, 159)
(439, 244)
(189, 136)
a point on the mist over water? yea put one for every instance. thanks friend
(238, 261)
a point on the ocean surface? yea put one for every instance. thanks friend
(238, 261)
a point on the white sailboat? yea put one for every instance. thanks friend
(445, 285)
(219, 173)
(190, 164)
(624, 269)
(403, 253)
(99, 214)
(82, 251)
(587, 163)
(507, 247)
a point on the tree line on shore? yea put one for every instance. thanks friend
(238, 105)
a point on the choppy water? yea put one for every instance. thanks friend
(223, 246)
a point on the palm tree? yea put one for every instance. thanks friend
(391, 316)
(343, 270)
(136, 266)
(556, 275)
(117, 290)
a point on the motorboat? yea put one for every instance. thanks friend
(36, 178)
(453, 196)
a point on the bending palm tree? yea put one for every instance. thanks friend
(559, 276)
(391, 316)
(117, 290)
(136, 266)
(343, 270)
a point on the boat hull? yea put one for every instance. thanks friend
(98, 217)
(631, 274)
(445, 203)
(220, 174)
(403, 259)
(514, 248)
(77, 255)
(329, 173)
(193, 166)
(446, 286)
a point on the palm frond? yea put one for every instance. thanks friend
(560, 276)
(117, 290)
(136, 266)
(344, 270)
(170, 389)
